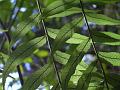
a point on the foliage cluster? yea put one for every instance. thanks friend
(59, 33)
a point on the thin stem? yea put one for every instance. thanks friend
(93, 44)
(49, 44)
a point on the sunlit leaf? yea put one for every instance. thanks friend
(77, 39)
(83, 82)
(102, 19)
(81, 67)
(107, 38)
(61, 57)
(41, 53)
(111, 57)
(52, 32)
(72, 63)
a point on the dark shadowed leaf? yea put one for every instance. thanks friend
(65, 33)
(35, 79)
(23, 51)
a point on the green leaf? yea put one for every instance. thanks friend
(47, 2)
(65, 33)
(72, 63)
(114, 80)
(77, 39)
(50, 79)
(29, 36)
(35, 79)
(5, 7)
(101, 1)
(41, 53)
(3, 57)
(61, 57)
(95, 82)
(28, 60)
(52, 32)
(111, 57)
(57, 6)
(21, 31)
(83, 82)
(101, 19)
(70, 11)
(112, 35)
(81, 67)
(23, 51)
(107, 38)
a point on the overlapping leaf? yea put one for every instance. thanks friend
(70, 11)
(61, 57)
(35, 79)
(23, 51)
(83, 82)
(81, 67)
(57, 7)
(24, 28)
(72, 63)
(65, 33)
(76, 39)
(52, 32)
(107, 38)
(21, 30)
(112, 35)
(114, 80)
(111, 57)
(101, 19)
